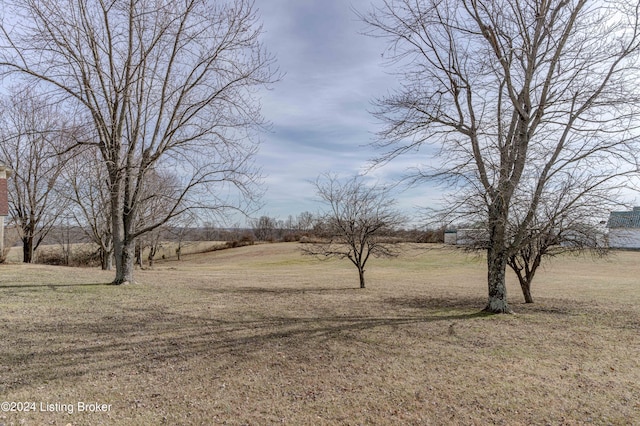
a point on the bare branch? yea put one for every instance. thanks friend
(357, 223)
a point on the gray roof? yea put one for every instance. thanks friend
(625, 219)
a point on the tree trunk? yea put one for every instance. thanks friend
(123, 249)
(524, 279)
(27, 250)
(106, 260)
(530, 272)
(151, 256)
(497, 257)
(124, 275)
(525, 285)
(116, 225)
(497, 265)
(361, 273)
(138, 253)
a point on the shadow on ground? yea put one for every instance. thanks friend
(40, 349)
(52, 286)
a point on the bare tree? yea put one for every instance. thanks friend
(264, 228)
(31, 136)
(159, 186)
(520, 96)
(567, 221)
(87, 189)
(179, 229)
(357, 223)
(305, 221)
(167, 85)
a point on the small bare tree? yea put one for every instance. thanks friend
(159, 191)
(86, 187)
(566, 222)
(264, 228)
(305, 221)
(179, 229)
(357, 222)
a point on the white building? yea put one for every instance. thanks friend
(467, 237)
(624, 229)
(450, 237)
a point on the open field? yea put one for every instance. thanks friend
(261, 335)
(167, 250)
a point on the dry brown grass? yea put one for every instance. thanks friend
(166, 250)
(261, 335)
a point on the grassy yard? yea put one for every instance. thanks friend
(262, 335)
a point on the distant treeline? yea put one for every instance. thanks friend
(264, 229)
(77, 235)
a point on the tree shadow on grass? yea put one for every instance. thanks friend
(278, 290)
(149, 338)
(439, 303)
(52, 286)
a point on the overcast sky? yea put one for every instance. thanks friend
(320, 110)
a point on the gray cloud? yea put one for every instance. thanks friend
(319, 110)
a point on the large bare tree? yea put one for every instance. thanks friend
(165, 84)
(519, 97)
(32, 134)
(357, 223)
